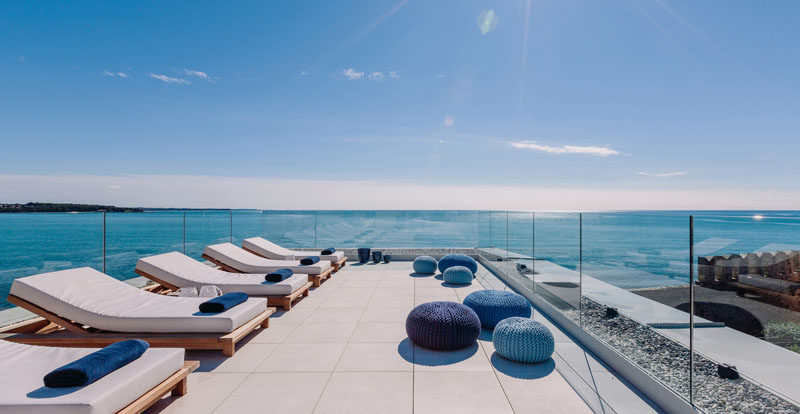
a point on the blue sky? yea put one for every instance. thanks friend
(622, 96)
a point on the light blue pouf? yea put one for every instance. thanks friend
(458, 260)
(457, 275)
(425, 265)
(523, 340)
(492, 306)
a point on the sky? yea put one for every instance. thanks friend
(463, 104)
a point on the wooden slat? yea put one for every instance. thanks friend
(68, 325)
(221, 265)
(286, 301)
(157, 280)
(176, 383)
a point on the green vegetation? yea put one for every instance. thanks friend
(63, 208)
(786, 334)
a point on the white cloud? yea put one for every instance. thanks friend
(449, 121)
(394, 74)
(169, 79)
(243, 192)
(22, 59)
(115, 74)
(668, 174)
(197, 74)
(114, 187)
(441, 75)
(376, 76)
(565, 149)
(352, 74)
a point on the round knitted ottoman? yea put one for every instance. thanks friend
(492, 306)
(457, 275)
(523, 340)
(458, 260)
(425, 265)
(443, 326)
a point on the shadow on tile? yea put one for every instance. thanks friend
(520, 370)
(415, 274)
(454, 286)
(432, 358)
(486, 335)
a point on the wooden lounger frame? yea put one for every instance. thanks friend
(78, 336)
(316, 279)
(284, 301)
(175, 384)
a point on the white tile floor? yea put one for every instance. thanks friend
(344, 350)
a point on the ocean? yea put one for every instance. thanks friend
(627, 249)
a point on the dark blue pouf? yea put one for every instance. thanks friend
(387, 258)
(425, 265)
(458, 260)
(492, 306)
(443, 326)
(376, 256)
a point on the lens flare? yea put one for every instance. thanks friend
(487, 21)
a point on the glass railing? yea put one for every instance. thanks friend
(623, 278)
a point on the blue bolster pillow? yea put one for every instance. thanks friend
(223, 303)
(309, 260)
(96, 365)
(328, 251)
(279, 275)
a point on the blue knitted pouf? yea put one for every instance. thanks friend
(443, 326)
(425, 265)
(492, 306)
(458, 260)
(523, 340)
(457, 275)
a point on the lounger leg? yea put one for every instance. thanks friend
(305, 293)
(287, 304)
(229, 348)
(181, 388)
(265, 324)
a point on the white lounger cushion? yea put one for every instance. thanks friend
(92, 298)
(271, 250)
(183, 271)
(23, 367)
(244, 261)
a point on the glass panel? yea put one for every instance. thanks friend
(33, 243)
(246, 224)
(557, 253)
(748, 281)
(206, 227)
(131, 236)
(296, 229)
(520, 248)
(635, 290)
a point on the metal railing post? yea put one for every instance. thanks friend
(580, 270)
(231, 211)
(691, 310)
(104, 241)
(184, 232)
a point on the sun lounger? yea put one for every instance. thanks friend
(235, 259)
(175, 270)
(96, 310)
(128, 390)
(267, 249)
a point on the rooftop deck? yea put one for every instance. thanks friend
(344, 349)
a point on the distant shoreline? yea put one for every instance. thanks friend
(64, 208)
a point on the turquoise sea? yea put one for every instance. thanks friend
(628, 249)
